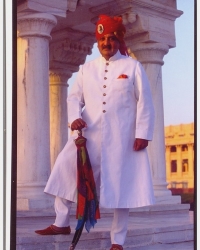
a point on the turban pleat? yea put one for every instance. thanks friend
(106, 25)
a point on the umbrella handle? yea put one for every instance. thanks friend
(79, 133)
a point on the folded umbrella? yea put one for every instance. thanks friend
(87, 211)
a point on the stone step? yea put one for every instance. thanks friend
(188, 245)
(148, 232)
(148, 210)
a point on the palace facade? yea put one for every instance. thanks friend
(179, 142)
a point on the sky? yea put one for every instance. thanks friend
(177, 71)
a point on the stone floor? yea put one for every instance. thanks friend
(150, 230)
(173, 246)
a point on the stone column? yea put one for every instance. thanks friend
(151, 56)
(33, 144)
(58, 111)
(65, 57)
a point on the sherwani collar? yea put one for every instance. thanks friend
(117, 56)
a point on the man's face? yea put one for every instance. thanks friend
(108, 45)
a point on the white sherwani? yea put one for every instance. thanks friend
(116, 111)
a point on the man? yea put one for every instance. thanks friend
(117, 121)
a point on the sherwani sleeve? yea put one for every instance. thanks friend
(145, 109)
(75, 99)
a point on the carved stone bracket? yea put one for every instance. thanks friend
(78, 47)
(69, 54)
(151, 22)
(73, 34)
(151, 29)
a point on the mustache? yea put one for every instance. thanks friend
(106, 47)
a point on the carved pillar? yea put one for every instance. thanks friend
(65, 57)
(58, 111)
(33, 159)
(151, 56)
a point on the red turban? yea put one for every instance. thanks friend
(106, 25)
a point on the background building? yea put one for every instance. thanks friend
(179, 141)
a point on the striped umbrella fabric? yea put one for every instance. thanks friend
(87, 211)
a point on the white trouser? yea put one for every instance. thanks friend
(62, 209)
(119, 224)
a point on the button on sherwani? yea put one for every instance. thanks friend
(114, 99)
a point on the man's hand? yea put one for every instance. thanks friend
(140, 144)
(78, 124)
